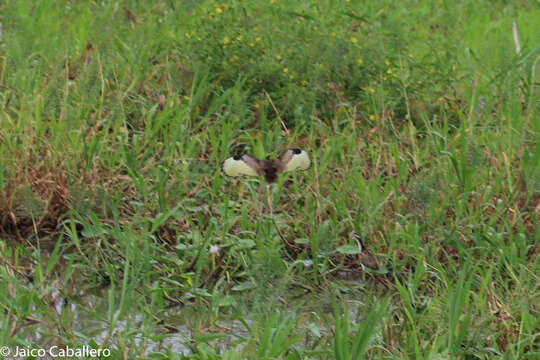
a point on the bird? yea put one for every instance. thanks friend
(289, 160)
(366, 258)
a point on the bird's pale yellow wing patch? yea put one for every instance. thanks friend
(300, 161)
(237, 167)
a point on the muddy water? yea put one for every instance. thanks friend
(86, 317)
(84, 320)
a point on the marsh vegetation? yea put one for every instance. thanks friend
(119, 230)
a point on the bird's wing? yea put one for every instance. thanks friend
(294, 159)
(242, 165)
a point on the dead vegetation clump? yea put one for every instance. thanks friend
(38, 194)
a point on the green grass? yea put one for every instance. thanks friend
(420, 118)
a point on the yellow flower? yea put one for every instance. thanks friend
(239, 37)
(333, 33)
(384, 78)
(372, 90)
(219, 10)
(278, 57)
(304, 82)
(360, 61)
(389, 71)
(251, 44)
(371, 117)
(454, 68)
(411, 56)
(258, 38)
(226, 40)
(285, 70)
(387, 62)
(354, 40)
(257, 106)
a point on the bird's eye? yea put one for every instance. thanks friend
(296, 151)
(237, 157)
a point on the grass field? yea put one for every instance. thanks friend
(119, 230)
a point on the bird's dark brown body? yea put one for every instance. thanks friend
(270, 169)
